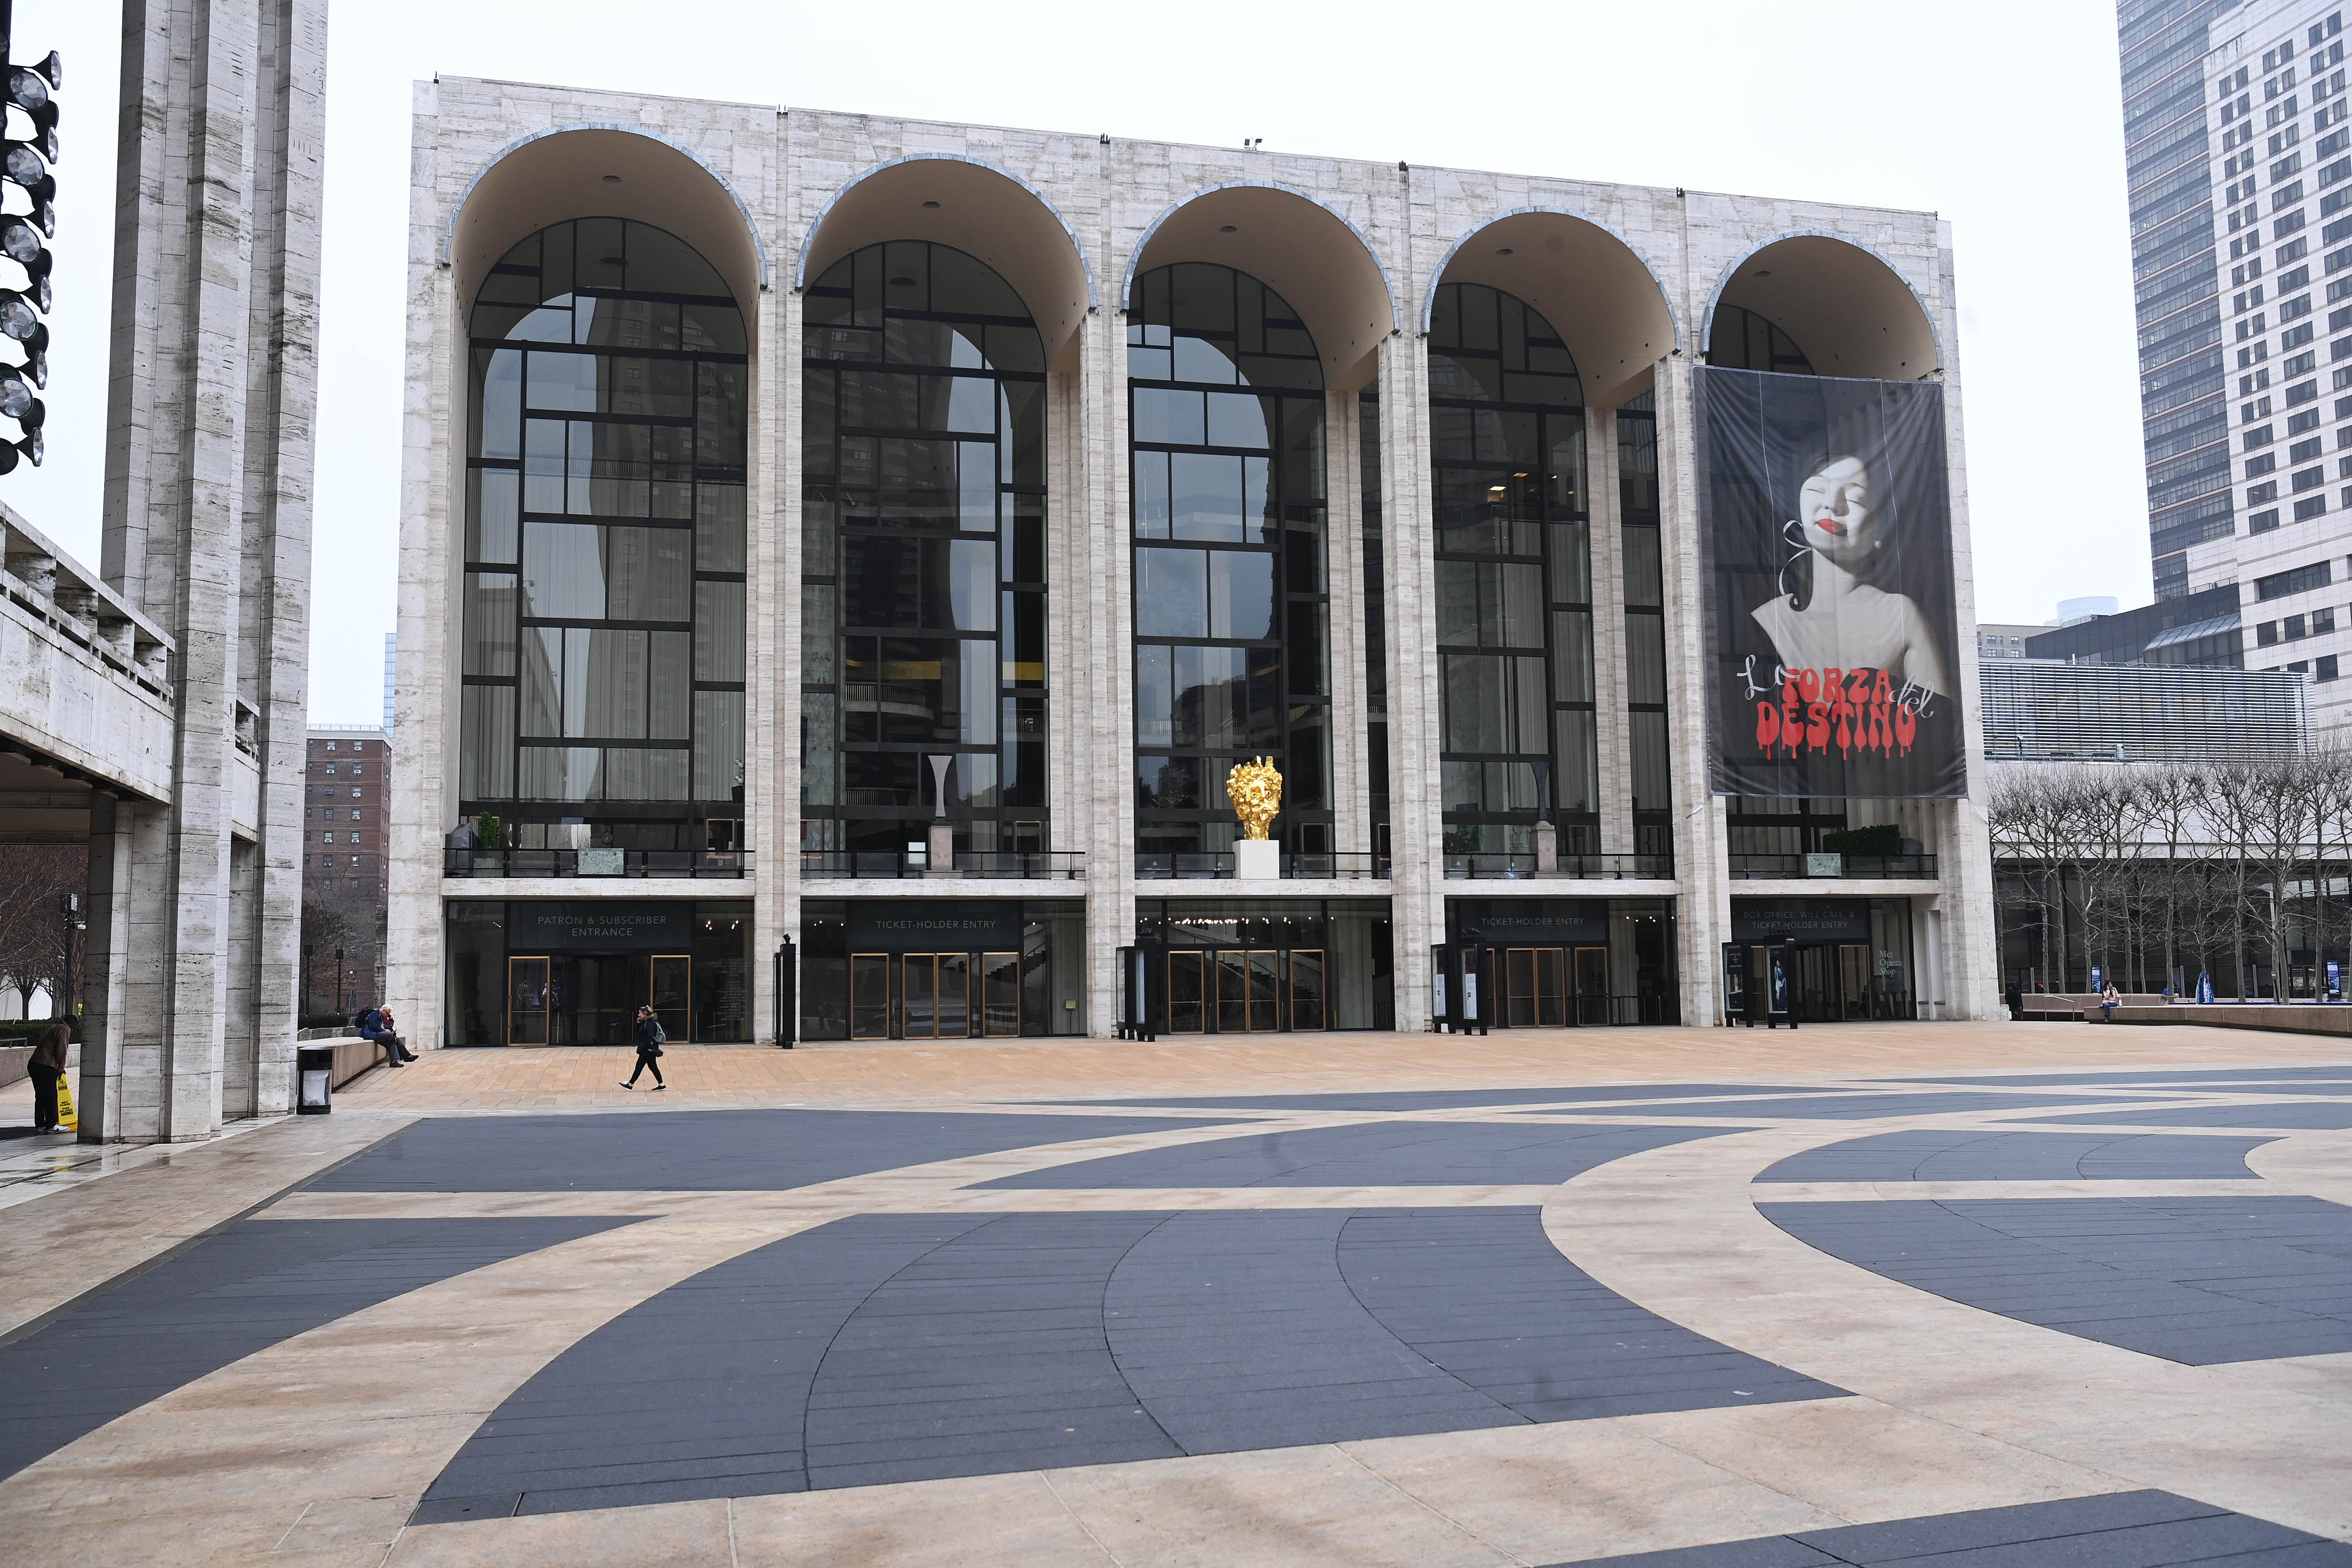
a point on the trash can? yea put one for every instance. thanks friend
(314, 1079)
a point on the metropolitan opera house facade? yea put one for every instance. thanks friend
(845, 561)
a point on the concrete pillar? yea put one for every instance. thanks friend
(1097, 714)
(207, 531)
(1612, 728)
(1416, 811)
(1351, 794)
(1702, 865)
(771, 708)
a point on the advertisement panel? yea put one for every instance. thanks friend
(1826, 533)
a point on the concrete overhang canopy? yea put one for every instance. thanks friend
(1595, 290)
(1302, 250)
(1849, 311)
(563, 174)
(976, 208)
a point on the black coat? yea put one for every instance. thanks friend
(648, 1036)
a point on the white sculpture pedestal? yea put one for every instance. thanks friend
(1256, 859)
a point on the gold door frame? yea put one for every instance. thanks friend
(546, 973)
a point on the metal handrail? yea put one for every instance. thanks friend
(1796, 867)
(1584, 868)
(717, 863)
(1031, 864)
(1187, 866)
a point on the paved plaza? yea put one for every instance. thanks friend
(1954, 1294)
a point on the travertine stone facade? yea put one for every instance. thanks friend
(194, 904)
(1631, 275)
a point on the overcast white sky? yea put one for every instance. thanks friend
(1870, 101)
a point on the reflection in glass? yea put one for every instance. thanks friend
(923, 566)
(1228, 485)
(604, 668)
(1514, 576)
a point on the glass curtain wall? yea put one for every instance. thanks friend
(1231, 655)
(1646, 627)
(1375, 633)
(1514, 578)
(603, 644)
(923, 564)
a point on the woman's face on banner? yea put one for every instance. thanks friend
(1840, 516)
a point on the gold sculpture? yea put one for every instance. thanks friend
(1255, 790)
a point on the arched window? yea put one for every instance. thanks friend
(1514, 578)
(1226, 423)
(603, 658)
(923, 571)
(1742, 340)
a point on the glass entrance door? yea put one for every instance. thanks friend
(935, 992)
(1247, 991)
(1853, 976)
(1592, 986)
(869, 996)
(1000, 993)
(1187, 997)
(672, 994)
(1306, 975)
(526, 1001)
(1534, 987)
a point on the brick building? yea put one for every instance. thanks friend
(347, 772)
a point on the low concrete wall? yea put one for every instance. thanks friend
(2063, 1007)
(13, 1060)
(2294, 1018)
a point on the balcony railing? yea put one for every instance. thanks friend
(1795, 868)
(1346, 866)
(1584, 868)
(1033, 864)
(717, 863)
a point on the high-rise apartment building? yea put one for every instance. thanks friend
(346, 785)
(2240, 160)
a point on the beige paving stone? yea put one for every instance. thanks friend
(976, 1521)
(2318, 1163)
(337, 1524)
(1674, 1230)
(1280, 1506)
(672, 1534)
(1863, 1461)
(1572, 1490)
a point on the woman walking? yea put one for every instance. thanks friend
(649, 1049)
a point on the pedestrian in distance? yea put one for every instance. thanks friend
(2108, 1000)
(377, 1024)
(46, 1068)
(649, 1049)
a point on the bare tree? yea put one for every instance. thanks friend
(38, 943)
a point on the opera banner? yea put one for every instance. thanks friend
(1825, 533)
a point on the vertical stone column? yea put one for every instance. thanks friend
(1416, 810)
(1351, 801)
(1103, 724)
(1612, 727)
(772, 707)
(107, 956)
(426, 708)
(1702, 865)
(208, 447)
(1971, 943)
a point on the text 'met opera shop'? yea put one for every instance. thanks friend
(889, 538)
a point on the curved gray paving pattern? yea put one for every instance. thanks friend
(904, 1347)
(2318, 1115)
(696, 1150)
(1974, 1154)
(1369, 1154)
(241, 1290)
(2198, 1281)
